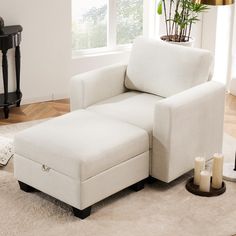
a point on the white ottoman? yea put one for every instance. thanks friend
(81, 158)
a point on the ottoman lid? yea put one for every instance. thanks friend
(81, 144)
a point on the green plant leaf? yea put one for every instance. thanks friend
(159, 8)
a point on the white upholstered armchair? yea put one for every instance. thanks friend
(165, 90)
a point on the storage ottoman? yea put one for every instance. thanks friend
(81, 158)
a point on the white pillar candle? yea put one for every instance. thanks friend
(217, 170)
(205, 181)
(199, 166)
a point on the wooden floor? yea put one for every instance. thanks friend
(35, 111)
(56, 108)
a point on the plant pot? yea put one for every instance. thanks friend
(170, 39)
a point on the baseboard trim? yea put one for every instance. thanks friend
(52, 97)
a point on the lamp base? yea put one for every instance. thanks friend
(228, 172)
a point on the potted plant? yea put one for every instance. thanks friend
(179, 17)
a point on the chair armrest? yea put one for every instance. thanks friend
(95, 86)
(187, 125)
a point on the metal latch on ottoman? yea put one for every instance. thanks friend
(81, 158)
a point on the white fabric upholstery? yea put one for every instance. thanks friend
(81, 144)
(166, 69)
(187, 125)
(82, 194)
(178, 124)
(52, 182)
(132, 107)
(92, 87)
(115, 179)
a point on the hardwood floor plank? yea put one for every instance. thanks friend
(36, 111)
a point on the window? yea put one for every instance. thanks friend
(89, 26)
(105, 24)
(129, 20)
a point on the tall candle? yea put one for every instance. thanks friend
(205, 181)
(217, 170)
(199, 166)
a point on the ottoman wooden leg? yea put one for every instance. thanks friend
(26, 188)
(138, 186)
(82, 214)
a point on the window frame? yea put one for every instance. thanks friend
(150, 25)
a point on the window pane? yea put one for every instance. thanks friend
(89, 24)
(129, 20)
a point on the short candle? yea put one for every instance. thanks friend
(205, 181)
(199, 166)
(217, 170)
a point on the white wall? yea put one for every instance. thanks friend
(234, 33)
(45, 49)
(234, 46)
(223, 44)
(217, 37)
(209, 27)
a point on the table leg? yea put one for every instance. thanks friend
(17, 63)
(6, 111)
(5, 82)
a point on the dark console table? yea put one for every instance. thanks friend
(10, 37)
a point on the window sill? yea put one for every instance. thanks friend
(99, 53)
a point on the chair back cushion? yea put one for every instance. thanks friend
(165, 69)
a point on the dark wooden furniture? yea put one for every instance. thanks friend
(10, 37)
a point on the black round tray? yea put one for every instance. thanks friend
(192, 188)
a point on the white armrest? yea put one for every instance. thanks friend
(187, 125)
(94, 86)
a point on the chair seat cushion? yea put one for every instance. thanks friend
(81, 144)
(132, 107)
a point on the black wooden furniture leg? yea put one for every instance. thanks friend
(17, 63)
(18, 103)
(5, 82)
(6, 112)
(82, 214)
(5, 74)
(138, 186)
(26, 188)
